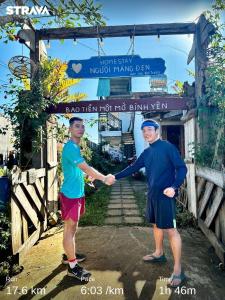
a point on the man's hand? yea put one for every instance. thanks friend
(110, 179)
(169, 192)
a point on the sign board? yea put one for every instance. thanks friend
(115, 66)
(158, 81)
(121, 105)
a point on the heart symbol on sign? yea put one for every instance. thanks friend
(77, 67)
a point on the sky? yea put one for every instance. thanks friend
(173, 49)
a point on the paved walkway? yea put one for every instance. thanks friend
(114, 257)
(122, 208)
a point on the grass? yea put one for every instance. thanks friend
(141, 203)
(96, 207)
(184, 218)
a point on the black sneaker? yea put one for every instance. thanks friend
(79, 273)
(79, 257)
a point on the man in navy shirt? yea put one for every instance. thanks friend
(165, 171)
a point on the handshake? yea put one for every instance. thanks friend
(109, 179)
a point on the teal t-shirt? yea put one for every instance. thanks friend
(73, 183)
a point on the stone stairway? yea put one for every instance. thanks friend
(128, 144)
(122, 208)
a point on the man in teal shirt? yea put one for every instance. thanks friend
(73, 184)
(72, 199)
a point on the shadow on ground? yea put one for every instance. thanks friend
(115, 260)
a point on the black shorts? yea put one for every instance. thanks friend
(161, 211)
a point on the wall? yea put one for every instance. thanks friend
(140, 143)
(125, 117)
(6, 144)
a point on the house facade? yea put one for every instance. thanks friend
(121, 131)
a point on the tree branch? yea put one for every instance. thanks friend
(12, 19)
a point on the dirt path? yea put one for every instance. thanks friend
(114, 256)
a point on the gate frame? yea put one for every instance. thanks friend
(201, 31)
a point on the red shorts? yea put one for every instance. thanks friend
(72, 208)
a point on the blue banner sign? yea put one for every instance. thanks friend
(115, 66)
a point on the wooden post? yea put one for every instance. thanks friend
(193, 133)
(38, 158)
(190, 135)
(52, 181)
(191, 189)
(203, 31)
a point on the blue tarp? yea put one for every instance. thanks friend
(103, 87)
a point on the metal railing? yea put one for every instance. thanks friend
(108, 122)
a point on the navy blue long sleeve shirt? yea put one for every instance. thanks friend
(164, 167)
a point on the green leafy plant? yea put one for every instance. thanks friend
(4, 233)
(27, 109)
(62, 14)
(8, 264)
(96, 207)
(211, 111)
(101, 161)
(184, 218)
(49, 86)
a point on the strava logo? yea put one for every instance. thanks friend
(26, 10)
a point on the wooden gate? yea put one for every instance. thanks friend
(211, 207)
(28, 209)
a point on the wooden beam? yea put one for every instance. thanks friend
(191, 54)
(19, 177)
(116, 31)
(222, 221)
(205, 30)
(157, 103)
(219, 247)
(172, 114)
(19, 193)
(200, 53)
(40, 190)
(214, 208)
(29, 243)
(217, 177)
(200, 186)
(189, 115)
(217, 227)
(208, 190)
(191, 189)
(25, 226)
(31, 190)
(16, 226)
(52, 164)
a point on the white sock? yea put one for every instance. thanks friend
(72, 264)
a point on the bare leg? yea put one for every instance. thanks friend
(158, 237)
(176, 246)
(69, 232)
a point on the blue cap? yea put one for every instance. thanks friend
(149, 123)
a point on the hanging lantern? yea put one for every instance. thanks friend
(21, 66)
